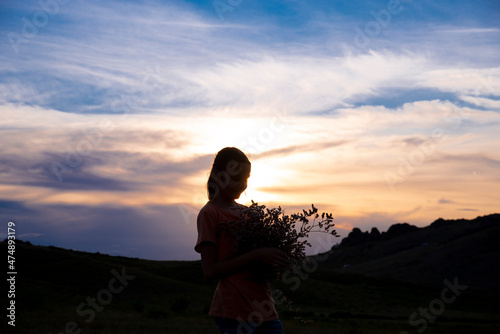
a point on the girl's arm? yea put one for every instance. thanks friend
(215, 270)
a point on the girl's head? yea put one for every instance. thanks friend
(229, 174)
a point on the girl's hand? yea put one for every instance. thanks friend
(273, 256)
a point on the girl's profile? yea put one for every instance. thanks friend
(239, 305)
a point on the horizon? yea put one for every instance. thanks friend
(380, 112)
(311, 254)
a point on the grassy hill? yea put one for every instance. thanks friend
(389, 279)
(466, 249)
(54, 282)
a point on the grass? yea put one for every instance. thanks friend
(172, 297)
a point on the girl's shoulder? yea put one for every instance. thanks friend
(227, 213)
(209, 214)
(209, 207)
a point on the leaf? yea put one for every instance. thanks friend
(259, 226)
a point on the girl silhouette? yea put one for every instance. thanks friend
(239, 305)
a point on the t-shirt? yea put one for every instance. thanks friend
(236, 296)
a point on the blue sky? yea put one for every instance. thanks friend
(378, 111)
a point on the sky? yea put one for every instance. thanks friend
(380, 112)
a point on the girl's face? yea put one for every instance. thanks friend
(238, 176)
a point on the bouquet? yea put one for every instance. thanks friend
(261, 227)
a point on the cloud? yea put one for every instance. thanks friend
(297, 149)
(445, 201)
(473, 31)
(482, 102)
(132, 101)
(138, 67)
(106, 171)
(150, 232)
(462, 160)
(305, 84)
(190, 79)
(464, 81)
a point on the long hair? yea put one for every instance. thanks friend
(222, 159)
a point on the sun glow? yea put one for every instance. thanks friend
(264, 176)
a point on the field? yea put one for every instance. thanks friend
(64, 291)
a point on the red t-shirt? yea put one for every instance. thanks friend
(236, 297)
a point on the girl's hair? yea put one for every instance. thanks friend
(220, 164)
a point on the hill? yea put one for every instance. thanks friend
(466, 249)
(66, 291)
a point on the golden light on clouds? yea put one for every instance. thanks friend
(266, 175)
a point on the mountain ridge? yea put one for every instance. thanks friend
(468, 249)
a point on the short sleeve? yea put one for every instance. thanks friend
(207, 222)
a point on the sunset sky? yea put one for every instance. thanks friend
(380, 112)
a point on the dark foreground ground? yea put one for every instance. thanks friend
(64, 291)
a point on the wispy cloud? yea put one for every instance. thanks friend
(131, 101)
(445, 201)
(295, 149)
(472, 30)
(98, 227)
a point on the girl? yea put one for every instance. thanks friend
(239, 305)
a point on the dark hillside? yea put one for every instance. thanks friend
(390, 277)
(56, 286)
(466, 249)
